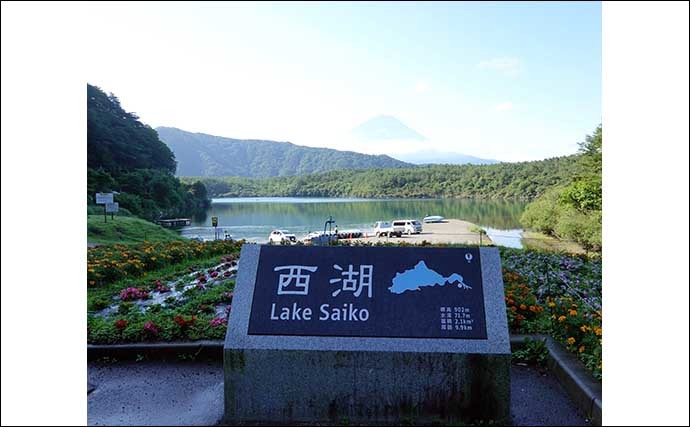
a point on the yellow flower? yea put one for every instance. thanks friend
(581, 349)
(585, 328)
(571, 340)
(553, 316)
(561, 319)
(552, 304)
(572, 312)
(597, 330)
(92, 282)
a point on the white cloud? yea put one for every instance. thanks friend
(422, 87)
(510, 67)
(504, 106)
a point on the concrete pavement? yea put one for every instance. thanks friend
(191, 393)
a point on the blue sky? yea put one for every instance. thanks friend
(510, 81)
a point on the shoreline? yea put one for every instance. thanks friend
(453, 231)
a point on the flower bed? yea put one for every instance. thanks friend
(193, 305)
(559, 295)
(108, 264)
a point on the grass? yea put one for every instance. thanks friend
(538, 241)
(126, 230)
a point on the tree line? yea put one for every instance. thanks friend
(522, 180)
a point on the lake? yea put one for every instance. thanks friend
(253, 218)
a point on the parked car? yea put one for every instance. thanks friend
(407, 226)
(384, 228)
(281, 236)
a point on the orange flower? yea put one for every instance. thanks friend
(581, 349)
(513, 309)
(523, 307)
(571, 340)
(572, 312)
(561, 319)
(533, 309)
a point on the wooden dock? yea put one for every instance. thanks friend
(174, 222)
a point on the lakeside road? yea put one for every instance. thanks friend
(448, 231)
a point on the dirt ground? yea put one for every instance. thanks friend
(448, 231)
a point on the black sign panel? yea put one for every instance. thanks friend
(369, 292)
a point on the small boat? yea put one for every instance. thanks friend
(433, 218)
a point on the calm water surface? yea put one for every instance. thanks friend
(253, 218)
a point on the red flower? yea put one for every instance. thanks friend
(184, 322)
(121, 324)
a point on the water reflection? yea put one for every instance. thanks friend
(254, 218)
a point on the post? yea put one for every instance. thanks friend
(105, 214)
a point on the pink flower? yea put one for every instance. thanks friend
(227, 296)
(219, 321)
(129, 294)
(214, 274)
(151, 328)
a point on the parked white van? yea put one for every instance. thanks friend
(407, 226)
(281, 237)
(384, 228)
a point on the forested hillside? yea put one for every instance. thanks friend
(573, 209)
(126, 155)
(525, 180)
(199, 154)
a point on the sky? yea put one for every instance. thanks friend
(507, 81)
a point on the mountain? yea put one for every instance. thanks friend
(199, 154)
(385, 128)
(387, 134)
(426, 157)
(117, 141)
